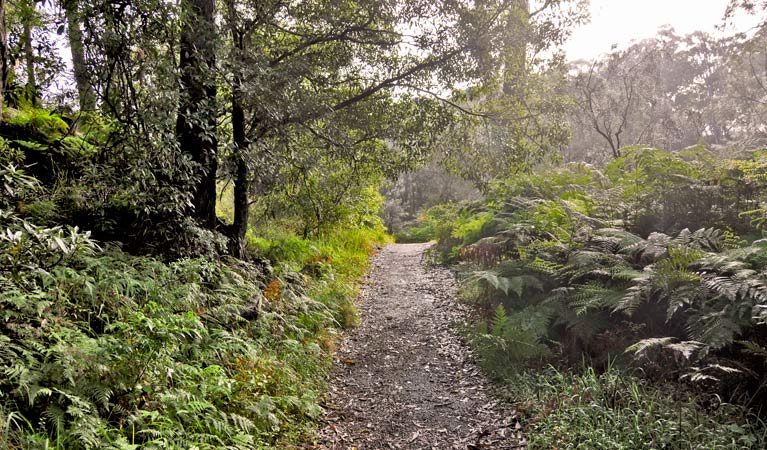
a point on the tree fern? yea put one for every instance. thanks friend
(708, 239)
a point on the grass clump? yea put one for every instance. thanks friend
(615, 410)
(334, 261)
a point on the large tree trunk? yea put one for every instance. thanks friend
(196, 123)
(3, 56)
(85, 92)
(241, 179)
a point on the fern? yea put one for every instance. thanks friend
(707, 239)
(640, 348)
(517, 285)
(498, 323)
(593, 297)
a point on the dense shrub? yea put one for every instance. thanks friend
(103, 349)
(571, 263)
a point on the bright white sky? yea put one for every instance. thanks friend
(621, 21)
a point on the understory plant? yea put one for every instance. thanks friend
(648, 263)
(616, 410)
(104, 349)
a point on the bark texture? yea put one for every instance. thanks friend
(196, 123)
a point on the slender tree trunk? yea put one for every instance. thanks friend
(85, 92)
(241, 201)
(29, 54)
(196, 123)
(242, 173)
(3, 57)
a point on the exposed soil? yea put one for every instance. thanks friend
(404, 379)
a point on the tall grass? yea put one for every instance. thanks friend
(615, 410)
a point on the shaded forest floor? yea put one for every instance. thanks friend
(404, 379)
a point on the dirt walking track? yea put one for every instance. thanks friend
(404, 379)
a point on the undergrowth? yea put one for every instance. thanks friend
(615, 410)
(103, 349)
(650, 266)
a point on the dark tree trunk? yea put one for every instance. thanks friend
(3, 56)
(241, 201)
(239, 226)
(196, 124)
(85, 92)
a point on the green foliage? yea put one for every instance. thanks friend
(615, 410)
(335, 261)
(101, 349)
(568, 264)
(40, 122)
(434, 223)
(512, 339)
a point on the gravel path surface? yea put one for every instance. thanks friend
(404, 379)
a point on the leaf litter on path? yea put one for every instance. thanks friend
(405, 379)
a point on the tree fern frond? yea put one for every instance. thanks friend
(708, 239)
(686, 348)
(715, 329)
(622, 238)
(513, 284)
(724, 286)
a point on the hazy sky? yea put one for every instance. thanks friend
(620, 21)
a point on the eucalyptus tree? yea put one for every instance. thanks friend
(515, 116)
(744, 91)
(4, 57)
(142, 183)
(314, 99)
(27, 12)
(617, 95)
(669, 92)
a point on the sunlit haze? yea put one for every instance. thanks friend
(621, 21)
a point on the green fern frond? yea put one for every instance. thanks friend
(590, 297)
(498, 323)
(622, 238)
(513, 284)
(543, 266)
(715, 329)
(640, 348)
(708, 239)
(633, 298)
